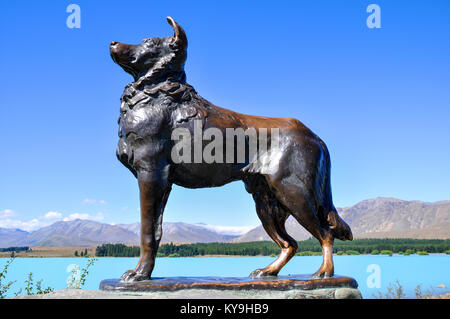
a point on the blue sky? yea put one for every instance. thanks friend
(379, 98)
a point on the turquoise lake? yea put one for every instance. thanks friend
(427, 271)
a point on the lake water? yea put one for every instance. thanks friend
(427, 271)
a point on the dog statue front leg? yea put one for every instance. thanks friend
(153, 191)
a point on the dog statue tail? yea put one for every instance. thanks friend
(339, 228)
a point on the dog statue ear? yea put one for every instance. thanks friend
(180, 35)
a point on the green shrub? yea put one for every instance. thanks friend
(30, 286)
(375, 252)
(174, 255)
(309, 253)
(352, 252)
(386, 252)
(394, 291)
(422, 253)
(78, 275)
(5, 287)
(447, 252)
(410, 251)
(340, 253)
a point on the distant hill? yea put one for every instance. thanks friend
(257, 234)
(134, 227)
(389, 217)
(381, 218)
(184, 233)
(11, 237)
(90, 233)
(373, 218)
(74, 233)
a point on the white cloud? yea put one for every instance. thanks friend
(53, 215)
(24, 225)
(7, 213)
(29, 225)
(93, 201)
(42, 221)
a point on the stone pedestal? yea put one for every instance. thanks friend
(282, 287)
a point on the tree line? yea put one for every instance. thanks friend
(266, 248)
(15, 249)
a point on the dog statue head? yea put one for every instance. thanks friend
(155, 59)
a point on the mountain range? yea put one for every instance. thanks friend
(82, 232)
(373, 218)
(381, 218)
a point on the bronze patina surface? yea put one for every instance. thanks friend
(294, 180)
(303, 282)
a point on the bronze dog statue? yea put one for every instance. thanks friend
(160, 101)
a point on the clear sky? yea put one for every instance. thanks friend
(379, 98)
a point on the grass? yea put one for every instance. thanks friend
(31, 287)
(396, 291)
(4, 287)
(76, 280)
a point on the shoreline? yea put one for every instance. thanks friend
(248, 249)
(201, 256)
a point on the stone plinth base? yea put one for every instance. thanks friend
(324, 293)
